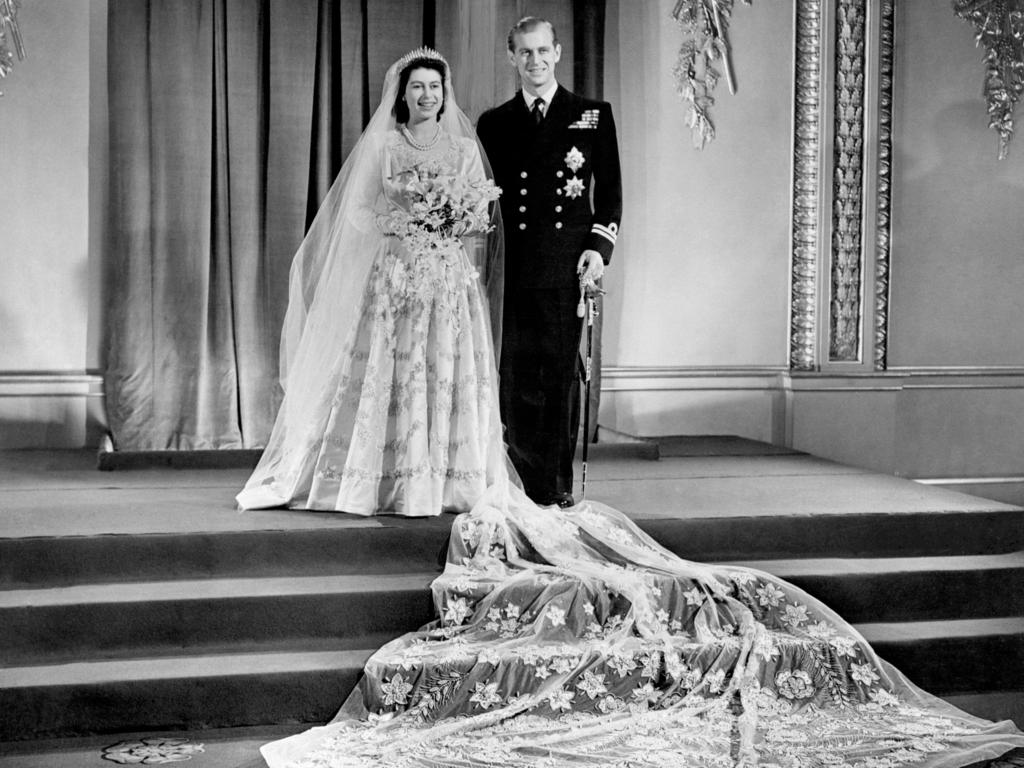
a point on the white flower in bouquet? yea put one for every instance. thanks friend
(442, 207)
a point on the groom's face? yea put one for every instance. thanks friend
(535, 56)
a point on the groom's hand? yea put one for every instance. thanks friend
(590, 267)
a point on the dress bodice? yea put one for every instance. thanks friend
(451, 154)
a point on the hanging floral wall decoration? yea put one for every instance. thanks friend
(1000, 29)
(705, 49)
(9, 35)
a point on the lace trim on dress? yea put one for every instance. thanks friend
(422, 470)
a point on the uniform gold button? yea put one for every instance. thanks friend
(522, 209)
(522, 191)
(559, 174)
(522, 175)
(558, 191)
(558, 209)
(522, 226)
(558, 225)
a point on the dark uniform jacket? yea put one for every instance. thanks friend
(546, 173)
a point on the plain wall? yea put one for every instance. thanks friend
(53, 157)
(699, 280)
(957, 211)
(44, 221)
(700, 275)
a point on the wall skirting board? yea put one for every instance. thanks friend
(51, 409)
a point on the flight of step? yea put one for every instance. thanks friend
(198, 630)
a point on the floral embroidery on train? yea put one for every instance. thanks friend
(709, 667)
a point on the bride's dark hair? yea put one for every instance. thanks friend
(401, 109)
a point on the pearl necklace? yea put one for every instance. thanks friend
(417, 145)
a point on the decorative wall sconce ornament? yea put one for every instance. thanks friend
(1000, 29)
(704, 24)
(9, 32)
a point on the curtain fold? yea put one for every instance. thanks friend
(228, 122)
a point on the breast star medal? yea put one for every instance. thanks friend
(573, 187)
(574, 159)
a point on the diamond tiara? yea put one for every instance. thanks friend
(420, 53)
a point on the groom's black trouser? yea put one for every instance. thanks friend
(540, 393)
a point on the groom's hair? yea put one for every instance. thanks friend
(528, 24)
(401, 109)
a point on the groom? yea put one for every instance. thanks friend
(549, 149)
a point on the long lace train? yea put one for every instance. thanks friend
(574, 639)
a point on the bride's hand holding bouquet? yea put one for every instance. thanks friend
(441, 208)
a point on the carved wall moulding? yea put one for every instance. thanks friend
(848, 174)
(806, 163)
(883, 206)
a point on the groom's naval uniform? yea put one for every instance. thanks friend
(546, 165)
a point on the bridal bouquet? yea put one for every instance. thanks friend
(441, 208)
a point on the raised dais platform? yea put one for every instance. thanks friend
(142, 599)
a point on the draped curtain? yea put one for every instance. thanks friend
(228, 121)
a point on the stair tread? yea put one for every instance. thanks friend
(847, 566)
(234, 587)
(720, 490)
(904, 631)
(178, 667)
(264, 663)
(213, 588)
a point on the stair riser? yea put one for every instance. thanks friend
(26, 563)
(943, 667)
(862, 535)
(949, 665)
(919, 595)
(53, 634)
(194, 704)
(50, 634)
(29, 563)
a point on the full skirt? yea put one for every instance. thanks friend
(409, 421)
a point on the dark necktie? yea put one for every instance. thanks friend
(538, 111)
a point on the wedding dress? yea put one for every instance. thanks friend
(413, 425)
(571, 638)
(402, 416)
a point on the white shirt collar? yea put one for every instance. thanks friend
(547, 95)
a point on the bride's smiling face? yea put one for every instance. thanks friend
(424, 94)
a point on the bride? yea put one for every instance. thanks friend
(402, 416)
(564, 638)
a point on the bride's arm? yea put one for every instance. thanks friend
(368, 201)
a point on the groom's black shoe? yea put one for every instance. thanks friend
(562, 500)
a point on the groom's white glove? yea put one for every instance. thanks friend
(590, 267)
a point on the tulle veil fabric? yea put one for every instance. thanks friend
(328, 276)
(571, 638)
